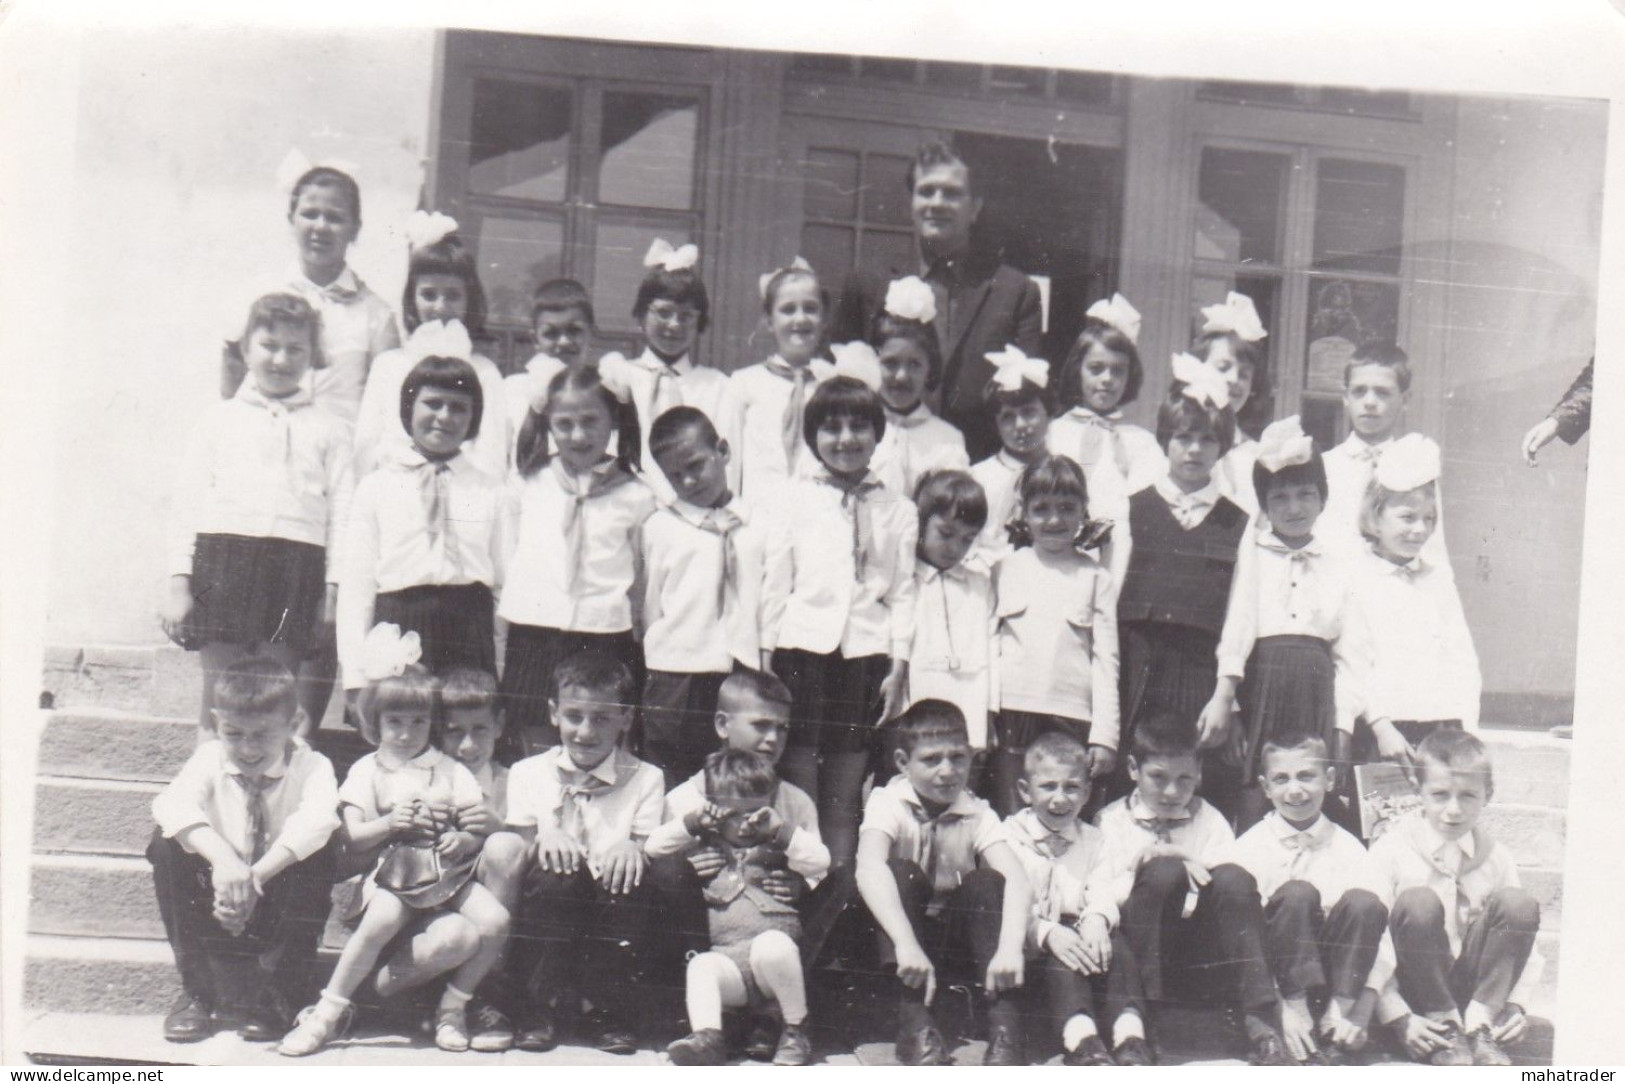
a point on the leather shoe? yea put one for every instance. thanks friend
(1134, 1051)
(188, 1021)
(924, 1046)
(703, 1047)
(1092, 1051)
(1004, 1047)
(268, 1020)
(537, 1033)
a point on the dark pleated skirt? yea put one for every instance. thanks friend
(533, 654)
(455, 624)
(254, 591)
(1165, 668)
(1288, 689)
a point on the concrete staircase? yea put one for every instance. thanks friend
(124, 722)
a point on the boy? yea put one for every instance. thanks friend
(953, 655)
(935, 868)
(1324, 909)
(703, 568)
(1081, 961)
(584, 809)
(1183, 905)
(239, 860)
(1376, 390)
(916, 440)
(561, 313)
(1463, 927)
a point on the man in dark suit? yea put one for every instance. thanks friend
(982, 305)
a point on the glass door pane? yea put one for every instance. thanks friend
(1240, 205)
(618, 266)
(1359, 216)
(519, 143)
(648, 147)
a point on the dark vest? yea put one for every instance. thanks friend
(1175, 576)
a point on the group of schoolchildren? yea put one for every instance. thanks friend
(1020, 707)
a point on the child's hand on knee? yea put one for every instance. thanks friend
(1511, 1025)
(557, 852)
(623, 868)
(1067, 947)
(1097, 944)
(1423, 1036)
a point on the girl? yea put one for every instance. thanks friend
(1422, 671)
(264, 490)
(763, 405)
(427, 537)
(1230, 342)
(324, 211)
(910, 357)
(1057, 629)
(442, 284)
(561, 317)
(1101, 375)
(754, 955)
(403, 800)
(838, 604)
(1290, 631)
(1176, 561)
(570, 583)
(673, 310)
(1018, 399)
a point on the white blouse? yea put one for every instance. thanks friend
(1117, 457)
(998, 475)
(915, 444)
(954, 630)
(751, 419)
(1422, 665)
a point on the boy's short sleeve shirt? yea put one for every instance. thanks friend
(947, 846)
(600, 808)
(1324, 855)
(301, 801)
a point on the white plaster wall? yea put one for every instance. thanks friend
(177, 219)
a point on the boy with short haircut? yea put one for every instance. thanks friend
(1325, 909)
(1376, 391)
(583, 809)
(936, 869)
(703, 569)
(1184, 906)
(239, 858)
(1083, 961)
(1463, 927)
(561, 314)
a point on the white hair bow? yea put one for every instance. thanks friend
(385, 653)
(662, 255)
(427, 228)
(440, 339)
(1202, 382)
(295, 165)
(911, 299)
(859, 361)
(797, 264)
(1237, 315)
(1410, 462)
(1119, 314)
(1284, 444)
(1012, 366)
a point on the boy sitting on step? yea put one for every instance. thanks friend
(239, 859)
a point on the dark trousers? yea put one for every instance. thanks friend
(1312, 949)
(679, 722)
(275, 951)
(1494, 949)
(1221, 945)
(960, 940)
(1067, 993)
(572, 934)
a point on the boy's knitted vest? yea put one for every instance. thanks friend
(1175, 576)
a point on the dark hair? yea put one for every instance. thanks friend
(467, 689)
(447, 374)
(1051, 476)
(680, 287)
(930, 720)
(929, 155)
(327, 177)
(1291, 740)
(1386, 354)
(997, 398)
(1058, 747)
(952, 494)
(1455, 749)
(758, 683)
(414, 690)
(1179, 413)
(770, 293)
(273, 309)
(842, 397)
(447, 256)
(557, 295)
(1247, 353)
(596, 673)
(739, 773)
(1310, 473)
(1097, 332)
(1163, 734)
(672, 426)
(924, 336)
(531, 452)
(256, 683)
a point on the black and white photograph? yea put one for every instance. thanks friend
(569, 540)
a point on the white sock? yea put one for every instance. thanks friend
(454, 998)
(1078, 1028)
(1478, 1015)
(1128, 1026)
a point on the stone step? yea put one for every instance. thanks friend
(93, 896)
(93, 816)
(100, 743)
(99, 975)
(156, 679)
